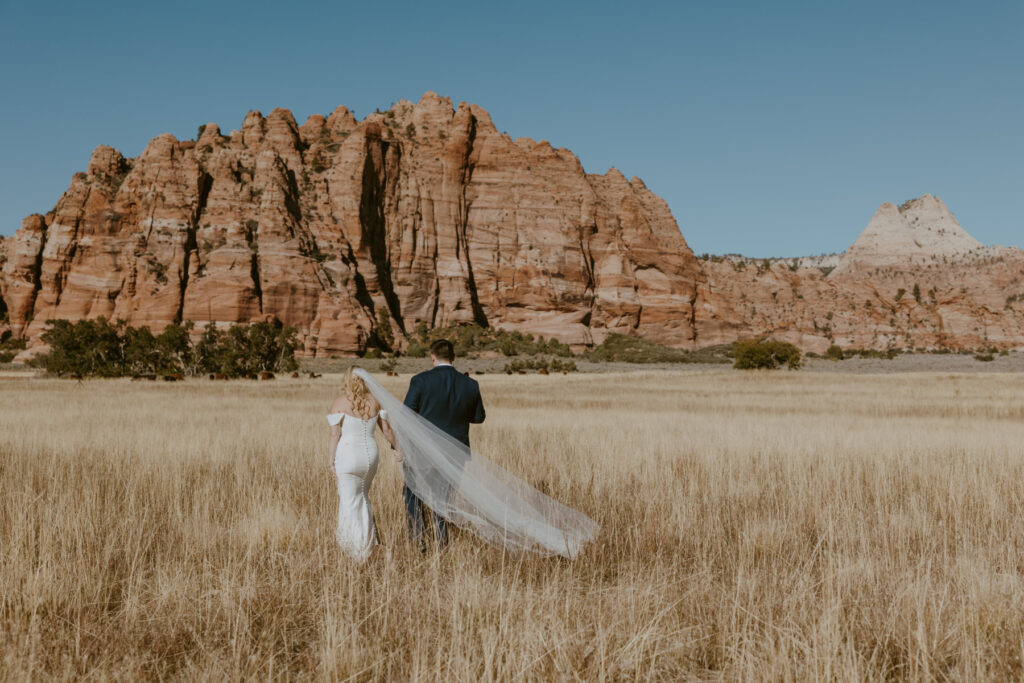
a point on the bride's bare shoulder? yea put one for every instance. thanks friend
(340, 405)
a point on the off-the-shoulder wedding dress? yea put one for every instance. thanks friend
(355, 461)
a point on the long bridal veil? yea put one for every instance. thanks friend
(472, 492)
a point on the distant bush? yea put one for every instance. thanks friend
(470, 340)
(984, 357)
(99, 348)
(381, 336)
(10, 346)
(417, 350)
(835, 353)
(563, 365)
(539, 365)
(244, 350)
(765, 354)
(888, 354)
(622, 348)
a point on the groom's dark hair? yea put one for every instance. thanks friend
(442, 349)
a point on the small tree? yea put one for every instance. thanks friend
(175, 349)
(834, 353)
(766, 354)
(141, 355)
(96, 348)
(83, 349)
(207, 350)
(382, 336)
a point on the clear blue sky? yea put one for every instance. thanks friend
(771, 128)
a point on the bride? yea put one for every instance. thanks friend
(354, 418)
(457, 483)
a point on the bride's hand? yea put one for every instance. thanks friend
(399, 455)
(334, 472)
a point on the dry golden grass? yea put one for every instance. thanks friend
(765, 526)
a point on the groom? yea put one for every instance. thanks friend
(451, 402)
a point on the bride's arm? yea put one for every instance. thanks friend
(389, 435)
(332, 445)
(335, 434)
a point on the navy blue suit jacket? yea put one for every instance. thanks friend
(448, 399)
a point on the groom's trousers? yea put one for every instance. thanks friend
(415, 512)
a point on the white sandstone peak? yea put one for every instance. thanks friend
(918, 231)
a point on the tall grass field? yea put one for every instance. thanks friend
(757, 526)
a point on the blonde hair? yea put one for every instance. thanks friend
(354, 389)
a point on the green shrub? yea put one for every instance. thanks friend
(381, 336)
(98, 348)
(834, 353)
(470, 340)
(765, 354)
(10, 346)
(625, 349)
(888, 354)
(563, 366)
(538, 365)
(87, 348)
(417, 350)
(984, 357)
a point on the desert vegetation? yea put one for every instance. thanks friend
(757, 526)
(10, 346)
(766, 354)
(98, 348)
(471, 340)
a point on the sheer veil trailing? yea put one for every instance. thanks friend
(472, 492)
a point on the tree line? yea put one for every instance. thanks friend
(100, 348)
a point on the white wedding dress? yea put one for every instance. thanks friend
(355, 461)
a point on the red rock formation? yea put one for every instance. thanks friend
(913, 279)
(425, 212)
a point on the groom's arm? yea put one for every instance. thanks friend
(478, 412)
(412, 397)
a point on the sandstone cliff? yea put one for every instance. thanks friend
(913, 279)
(421, 213)
(425, 213)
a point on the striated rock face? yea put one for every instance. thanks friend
(913, 279)
(425, 213)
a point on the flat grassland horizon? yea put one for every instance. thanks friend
(753, 526)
